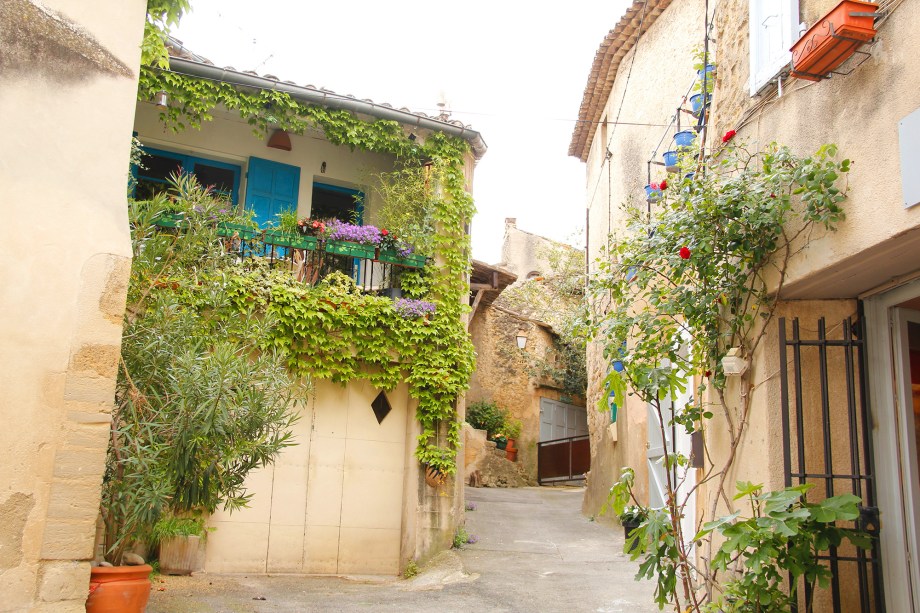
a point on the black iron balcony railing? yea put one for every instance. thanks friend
(311, 260)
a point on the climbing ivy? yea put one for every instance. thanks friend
(335, 332)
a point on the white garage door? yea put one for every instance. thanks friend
(333, 503)
(561, 420)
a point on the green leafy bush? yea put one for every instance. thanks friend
(486, 416)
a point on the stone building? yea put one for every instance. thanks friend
(866, 270)
(511, 375)
(347, 454)
(68, 82)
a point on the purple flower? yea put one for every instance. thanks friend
(407, 307)
(340, 231)
(471, 539)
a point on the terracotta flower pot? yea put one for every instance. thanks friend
(511, 454)
(832, 39)
(434, 477)
(118, 589)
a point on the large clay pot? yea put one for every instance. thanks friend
(179, 554)
(118, 589)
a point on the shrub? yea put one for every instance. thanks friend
(486, 416)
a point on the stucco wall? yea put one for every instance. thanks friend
(860, 113)
(662, 73)
(523, 252)
(229, 139)
(67, 88)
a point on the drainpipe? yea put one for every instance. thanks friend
(329, 99)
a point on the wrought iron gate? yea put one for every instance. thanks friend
(827, 441)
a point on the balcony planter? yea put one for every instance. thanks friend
(283, 239)
(671, 163)
(353, 249)
(392, 257)
(231, 230)
(171, 220)
(684, 139)
(832, 39)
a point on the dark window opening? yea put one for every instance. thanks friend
(381, 407)
(157, 166)
(333, 202)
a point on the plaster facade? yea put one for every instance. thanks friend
(662, 73)
(872, 254)
(72, 69)
(349, 497)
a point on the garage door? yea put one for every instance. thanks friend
(333, 503)
(561, 420)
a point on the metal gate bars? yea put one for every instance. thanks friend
(827, 442)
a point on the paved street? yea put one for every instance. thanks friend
(535, 552)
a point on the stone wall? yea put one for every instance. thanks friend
(68, 80)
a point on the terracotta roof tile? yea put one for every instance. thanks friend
(610, 53)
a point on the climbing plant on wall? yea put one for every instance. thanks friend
(692, 276)
(345, 335)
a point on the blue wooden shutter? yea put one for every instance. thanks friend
(271, 188)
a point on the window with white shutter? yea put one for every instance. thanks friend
(774, 28)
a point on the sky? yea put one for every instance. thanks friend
(513, 71)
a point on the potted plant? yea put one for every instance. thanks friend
(177, 444)
(179, 540)
(631, 518)
(349, 239)
(512, 431)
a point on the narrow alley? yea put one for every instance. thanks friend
(534, 552)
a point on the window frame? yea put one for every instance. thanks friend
(765, 70)
(188, 161)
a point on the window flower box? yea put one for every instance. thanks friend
(832, 39)
(353, 249)
(171, 220)
(284, 239)
(392, 257)
(230, 230)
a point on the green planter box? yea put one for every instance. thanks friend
(246, 233)
(283, 239)
(352, 249)
(412, 261)
(171, 220)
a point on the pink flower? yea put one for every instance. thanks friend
(684, 253)
(728, 136)
(654, 186)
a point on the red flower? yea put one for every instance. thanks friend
(684, 253)
(384, 232)
(663, 185)
(708, 373)
(773, 195)
(728, 136)
(315, 224)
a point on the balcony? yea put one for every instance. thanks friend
(311, 259)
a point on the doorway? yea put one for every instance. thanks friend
(893, 336)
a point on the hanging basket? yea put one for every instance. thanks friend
(434, 477)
